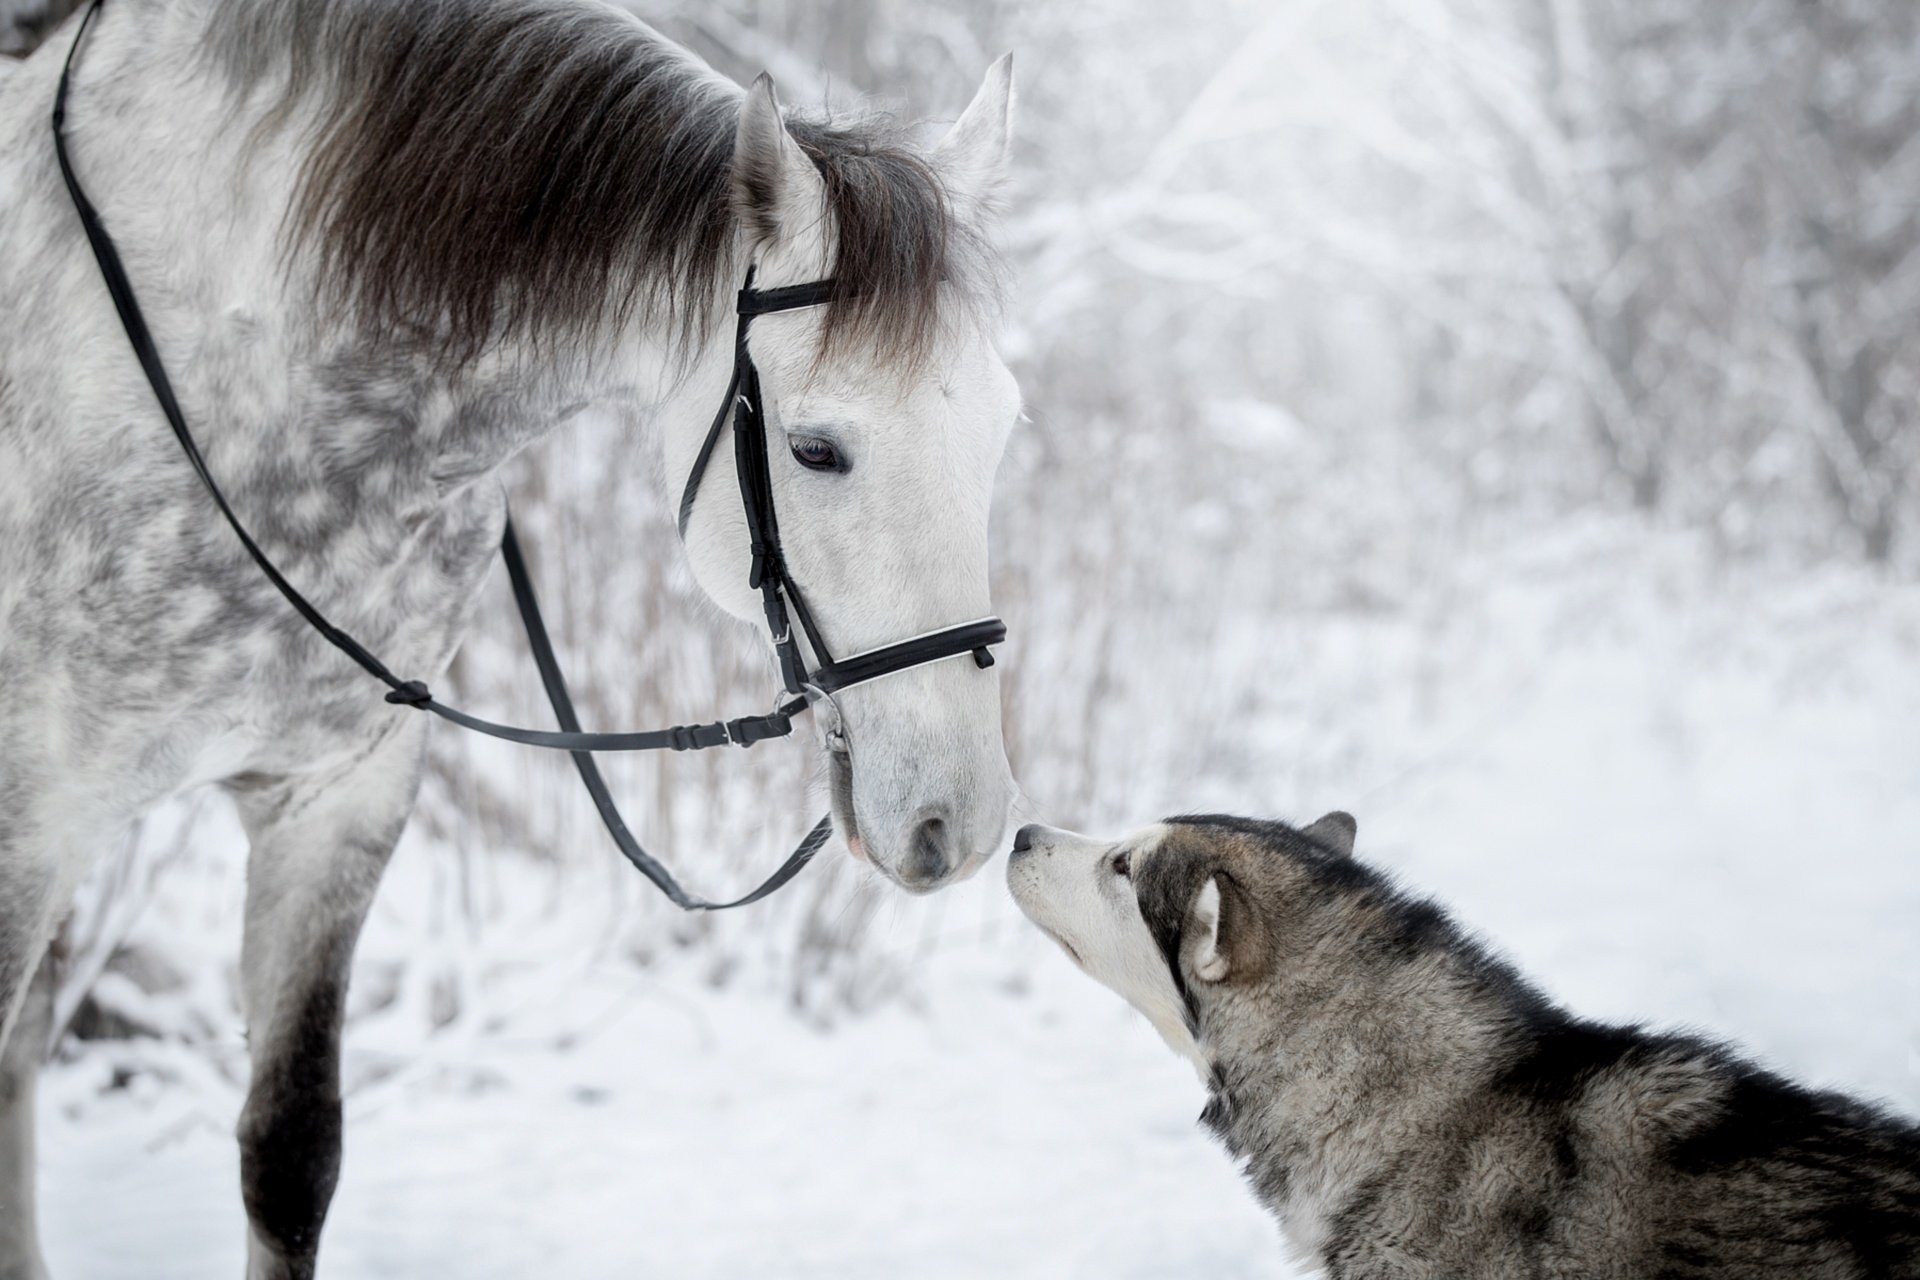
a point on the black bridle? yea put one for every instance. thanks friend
(768, 574)
(767, 571)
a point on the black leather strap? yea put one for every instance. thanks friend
(556, 685)
(790, 297)
(750, 302)
(935, 646)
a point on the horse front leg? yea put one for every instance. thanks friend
(319, 845)
(46, 842)
(21, 1054)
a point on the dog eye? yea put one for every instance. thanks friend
(815, 453)
(1122, 865)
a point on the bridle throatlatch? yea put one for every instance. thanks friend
(768, 573)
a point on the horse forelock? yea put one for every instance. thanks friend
(493, 170)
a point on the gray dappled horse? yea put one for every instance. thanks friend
(383, 246)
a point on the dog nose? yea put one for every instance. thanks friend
(1023, 838)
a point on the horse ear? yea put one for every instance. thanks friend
(775, 186)
(1336, 831)
(972, 158)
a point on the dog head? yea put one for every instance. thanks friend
(1182, 914)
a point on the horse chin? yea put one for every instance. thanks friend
(840, 794)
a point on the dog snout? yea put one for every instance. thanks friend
(1029, 837)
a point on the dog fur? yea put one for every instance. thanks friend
(1409, 1106)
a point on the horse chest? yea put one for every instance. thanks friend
(408, 597)
(161, 658)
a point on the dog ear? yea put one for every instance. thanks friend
(1224, 936)
(1335, 831)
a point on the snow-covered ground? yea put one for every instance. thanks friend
(1669, 791)
(682, 1132)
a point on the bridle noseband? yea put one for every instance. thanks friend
(768, 573)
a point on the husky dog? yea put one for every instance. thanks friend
(1408, 1106)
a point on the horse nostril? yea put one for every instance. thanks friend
(929, 855)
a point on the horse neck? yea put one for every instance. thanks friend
(195, 189)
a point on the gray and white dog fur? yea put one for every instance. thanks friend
(1409, 1107)
(382, 248)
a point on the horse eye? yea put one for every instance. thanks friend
(815, 454)
(1123, 865)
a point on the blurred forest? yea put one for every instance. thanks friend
(1314, 301)
(1623, 251)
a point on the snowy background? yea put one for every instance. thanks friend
(1493, 417)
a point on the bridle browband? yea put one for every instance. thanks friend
(768, 573)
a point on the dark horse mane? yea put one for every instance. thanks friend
(494, 169)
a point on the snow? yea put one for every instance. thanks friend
(1671, 790)
(659, 1127)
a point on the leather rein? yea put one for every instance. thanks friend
(768, 573)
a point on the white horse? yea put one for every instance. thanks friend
(382, 247)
